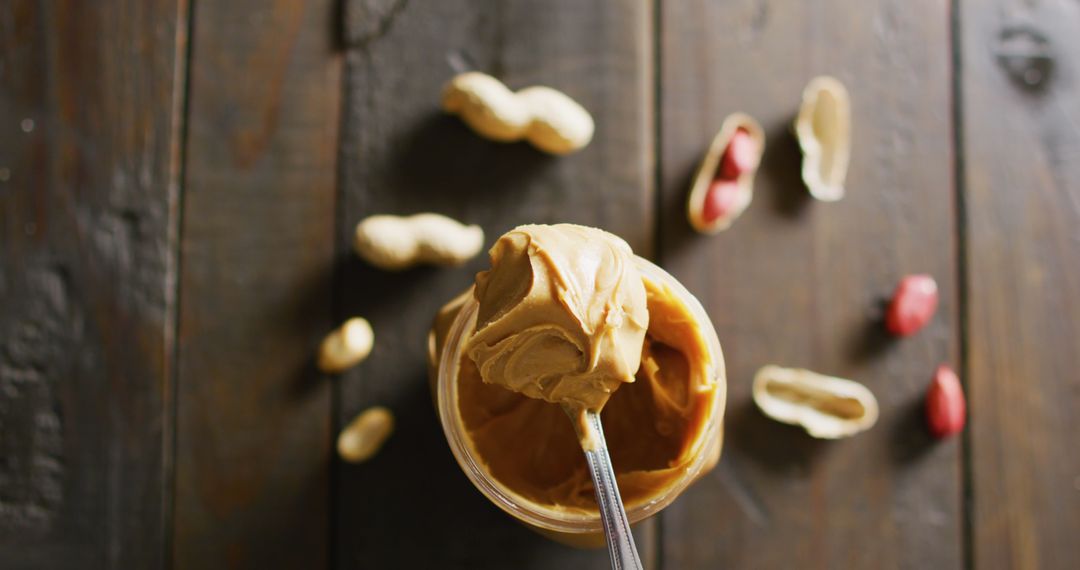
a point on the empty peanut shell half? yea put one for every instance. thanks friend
(823, 128)
(723, 186)
(827, 407)
(365, 435)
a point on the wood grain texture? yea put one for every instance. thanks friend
(1020, 95)
(366, 20)
(253, 419)
(411, 506)
(799, 283)
(88, 173)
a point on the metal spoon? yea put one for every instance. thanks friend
(620, 541)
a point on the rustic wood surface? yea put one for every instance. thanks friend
(256, 287)
(1020, 101)
(176, 210)
(88, 207)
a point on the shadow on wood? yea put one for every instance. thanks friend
(372, 289)
(778, 447)
(310, 299)
(676, 232)
(870, 340)
(781, 166)
(910, 439)
(439, 153)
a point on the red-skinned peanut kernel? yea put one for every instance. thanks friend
(946, 410)
(720, 199)
(740, 156)
(912, 306)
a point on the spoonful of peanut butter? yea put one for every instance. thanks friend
(562, 317)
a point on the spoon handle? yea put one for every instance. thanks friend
(620, 541)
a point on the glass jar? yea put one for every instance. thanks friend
(578, 529)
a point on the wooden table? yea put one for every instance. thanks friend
(178, 185)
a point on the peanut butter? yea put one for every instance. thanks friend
(561, 317)
(655, 421)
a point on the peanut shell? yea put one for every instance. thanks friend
(825, 406)
(709, 170)
(823, 127)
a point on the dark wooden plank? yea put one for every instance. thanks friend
(1021, 157)
(252, 482)
(88, 194)
(411, 507)
(800, 283)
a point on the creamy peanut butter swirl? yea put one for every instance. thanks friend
(562, 315)
(565, 315)
(651, 425)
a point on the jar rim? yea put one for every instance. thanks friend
(549, 518)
